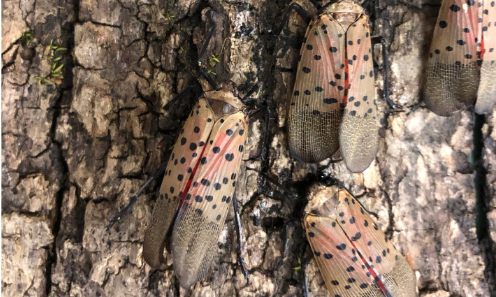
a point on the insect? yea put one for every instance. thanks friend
(333, 101)
(198, 186)
(462, 56)
(354, 256)
(199, 181)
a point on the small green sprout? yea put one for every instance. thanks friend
(28, 37)
(299, 265)
(213, 60)
(54, 55)
(169, 16)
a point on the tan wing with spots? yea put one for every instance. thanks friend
(486, 96)
(202, 216)
(316, 103)
(343, 271)
(359, 129)
(352, 253)
(452, 76)
(397, 276)
(185, 155)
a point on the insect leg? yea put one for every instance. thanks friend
(127, 209)
(237, 219)
(380, 39)
(210, 80)
(414, 108)
(178, 96)
(253, 89)
(288, 192)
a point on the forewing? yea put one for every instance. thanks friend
(486, 96)
(375, 248)
(341, 267)
(452, 76)
(316, 103)
(203, 213)
(182, 161)
(359, 129)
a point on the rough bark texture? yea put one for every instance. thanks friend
(76, 145)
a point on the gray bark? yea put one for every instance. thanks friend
(76, 146)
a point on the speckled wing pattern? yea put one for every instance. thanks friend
(182, 162)
(453, 72)
(354, 255)
(375, 247)
(316, 104)
(203, 213)
(339, 264)
(359, 136)
(486, 96)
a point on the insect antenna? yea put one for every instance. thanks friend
(127, 209)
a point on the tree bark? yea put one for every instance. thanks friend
(79, 138)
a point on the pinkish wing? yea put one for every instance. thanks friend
(374, 247)
(316, 103)
(340, 265)
(452, 76)
(203, 213)
(359, 130)
(486, 96)
(185, 155)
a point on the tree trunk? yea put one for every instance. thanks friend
(82, 133)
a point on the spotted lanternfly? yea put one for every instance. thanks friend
(462, 58)
(335, 72)
(354, 256)
(198, 186)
